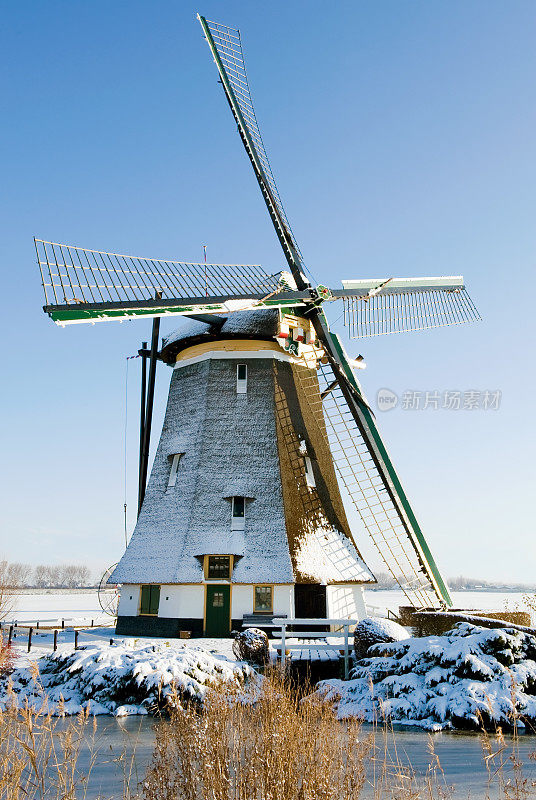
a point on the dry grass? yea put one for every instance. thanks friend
(40, 754)
(37, 759)
(280, 747)
(275, 748)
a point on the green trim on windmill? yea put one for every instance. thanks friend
(65, 315)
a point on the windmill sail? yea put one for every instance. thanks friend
(366, 472)
(226, 47)
(369, 477)
(402, 534)
(83, 285)
(405, 304)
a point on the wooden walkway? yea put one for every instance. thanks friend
(316, 646)
(310, 650)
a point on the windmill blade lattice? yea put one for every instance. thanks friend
(367, 490)
(74, 275)
(401, 311)
(226, 47)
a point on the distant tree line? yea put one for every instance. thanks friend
(458, 584)
(461, 583)
(15, 575)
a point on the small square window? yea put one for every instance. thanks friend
(263, 599)
(238, 513)
(309, 474)
(175, 459)
(241, 378)
(217, 600)
(239, 506)
(219, 567)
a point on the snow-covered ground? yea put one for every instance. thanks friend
(55, 604)
(384, 599)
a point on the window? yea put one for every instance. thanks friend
(174, 468)
(309, 474)
(241, 378)
(263, 599)
(150, 600)
(217, 600)
(238, 514)
(219, 567)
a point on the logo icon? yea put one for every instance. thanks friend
(386, 400)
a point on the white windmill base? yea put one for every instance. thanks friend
(183, 607)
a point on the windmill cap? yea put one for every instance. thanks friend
(239, 325)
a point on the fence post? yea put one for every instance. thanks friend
(37, 625)
(63, 624)
(283, 654)
(91, 623)
(30, 631)
(76, 640)
(55, 646)
(10, 635)
(346, 652)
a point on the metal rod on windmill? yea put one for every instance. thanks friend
(149, 406)
(142, 353)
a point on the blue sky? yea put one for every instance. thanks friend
(401, 135)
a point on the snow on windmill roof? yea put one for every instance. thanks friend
(328, 555)
(246, 324)
(179, 524)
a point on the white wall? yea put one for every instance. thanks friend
(188, 601)
(284, 600)
(241, 601)
(129, 599)
(182, 601)
(346, 602)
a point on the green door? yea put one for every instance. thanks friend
(218, 620)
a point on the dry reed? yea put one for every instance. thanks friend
(278, 745)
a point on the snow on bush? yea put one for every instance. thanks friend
(468, 678)
(376, 630)
(252, 645)
(121, 679)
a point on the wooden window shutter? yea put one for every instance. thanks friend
(155, 599)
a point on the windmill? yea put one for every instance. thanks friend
(85, 286)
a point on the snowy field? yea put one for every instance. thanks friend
(391, 599)
(58, 604)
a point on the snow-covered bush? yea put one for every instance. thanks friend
(122, 679)
(252, 646)
(375, 630)
(468, 678)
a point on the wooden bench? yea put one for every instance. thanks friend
(261, 621)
